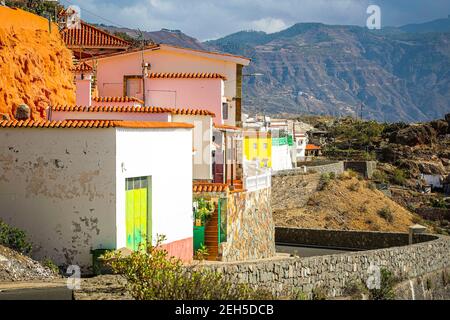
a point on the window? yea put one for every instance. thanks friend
(225, 111)
(265, 146)
(255, 146)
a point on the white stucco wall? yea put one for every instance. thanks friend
(281, 158)
(166, 156)
(59, 186)
(202, 143)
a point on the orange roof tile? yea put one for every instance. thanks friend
(192, 112)
(117, 99)
(82, 67)
(199, 187)
(90, 124)
(227, 127)
(312, 147)
(91, 37)
(186, 75)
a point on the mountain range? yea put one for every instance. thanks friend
(392, 74)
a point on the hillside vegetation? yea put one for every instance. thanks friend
(347, 203)
(35, 65)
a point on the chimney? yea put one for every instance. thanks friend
(83, 80)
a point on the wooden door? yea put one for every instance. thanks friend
(138, 217)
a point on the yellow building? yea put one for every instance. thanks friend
(258, 147)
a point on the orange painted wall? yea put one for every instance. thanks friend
(35, 65)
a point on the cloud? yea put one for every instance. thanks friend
(208, 19)
(269, 25)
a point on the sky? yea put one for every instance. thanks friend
(212, 19)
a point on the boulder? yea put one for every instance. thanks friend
(414, 135)
(23, 112)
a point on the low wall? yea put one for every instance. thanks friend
(364, 168)
(250, 227)
(321, 167)
(434, 214)
(351, 240)
(334, 273)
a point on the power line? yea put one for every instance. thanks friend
(96, 15)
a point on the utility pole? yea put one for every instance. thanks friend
(362, 105)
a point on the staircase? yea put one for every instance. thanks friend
(212, 237)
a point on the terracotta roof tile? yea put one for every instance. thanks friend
(312, 147)
(192, 112)
(226, 127)
(117, 99)
(90, 36)
(186, 75)
(90, 124)
(199, 187)
(82, 67)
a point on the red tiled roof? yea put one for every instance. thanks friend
(191, 112)
(199, 187)
(186, 75)
(82, 67)
(90, 124)
(312, 147)
(227, 127)
(89, 36)
(117, 99)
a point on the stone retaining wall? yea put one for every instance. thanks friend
(250, 227)
(364, 168)
(434, 214)
(351, 240)
(334, 273)
(336, 167)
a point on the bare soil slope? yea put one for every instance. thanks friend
(35, 65)
(347, 203)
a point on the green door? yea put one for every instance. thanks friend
(138, 213)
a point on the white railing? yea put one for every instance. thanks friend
(255, 177)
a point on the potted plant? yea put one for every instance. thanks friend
(203, 212)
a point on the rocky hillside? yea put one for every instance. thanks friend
(346, 203)
(172, 37)
(35, 65)
(322, 69)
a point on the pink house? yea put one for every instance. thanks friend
(168, 76)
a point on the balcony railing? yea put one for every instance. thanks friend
(255, 177)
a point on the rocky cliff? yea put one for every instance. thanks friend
(35, 65)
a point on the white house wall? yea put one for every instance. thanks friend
(59, 186)
(202, 143)
(166, 156)
(281, 158)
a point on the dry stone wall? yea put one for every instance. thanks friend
(334, 273)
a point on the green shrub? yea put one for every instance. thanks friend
(386, 214)
(386, 290)
(371, 186)
(319, 293)
(324, 181)
(14, 238)
(399, 177)
(202, 253)
(152, 274)
(379, 176)
(48, 263)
